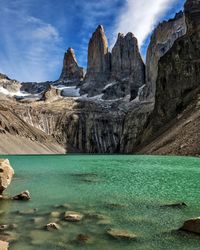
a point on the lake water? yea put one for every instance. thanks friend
(127, 191)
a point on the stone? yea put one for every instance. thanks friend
(121, 234)
(192, 225)
(162, 40)
(51, 94)
(52, 226)
(23, 196)
(98, 56)
(127, 62)
(175, 205)
(71, 71)
(73, 216)
(4, 245)
(6, 174)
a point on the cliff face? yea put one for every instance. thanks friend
(162, 40)
(98, 57)
(127, 63)
(178, 79)
(71, 72)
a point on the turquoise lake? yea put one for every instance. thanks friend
(127, 191)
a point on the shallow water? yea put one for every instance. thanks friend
(127, 190)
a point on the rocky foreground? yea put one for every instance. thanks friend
(119, 105)
(55, 223)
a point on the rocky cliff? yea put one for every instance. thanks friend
(178, 80)
(127, 64)
(107, 120)
(162, 40)
(71, 71)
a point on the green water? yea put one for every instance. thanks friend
(137, 185)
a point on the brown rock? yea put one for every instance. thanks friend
(23, 196)
(71, 71)
(192, 225)
(4, 245)
(98, 56)
(73, 216)
(6, 174)
(83, 238)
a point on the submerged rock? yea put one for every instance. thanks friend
(23, 196)
(175, 205)
(4, 245)
(83, 238)
(192, 225)
(121, 234)
(52, 226)
(73, 216)
(6, 174)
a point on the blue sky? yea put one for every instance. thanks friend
(36, 33)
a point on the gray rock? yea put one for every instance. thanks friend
(179, 74)
(23, 196)
(121, 234)
(71, 71)
(73, 216)
(126, 63)
(162, 40)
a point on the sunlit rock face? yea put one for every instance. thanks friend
(98, 56)
(127, 63)
(162, 40)
(71, 70)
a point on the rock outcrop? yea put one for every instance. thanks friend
(98, 69)
(8, 84)
(98, 56)
(71, 71)
(51, 94)
(162, 40)
(178, 79)
(127, 64)
(6, 174)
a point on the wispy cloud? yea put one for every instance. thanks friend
(141, 16)
(31, 46)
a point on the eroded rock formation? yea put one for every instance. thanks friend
(98, 56)
(71, 71)
(178, 73)
(162, 40)
(127, 63)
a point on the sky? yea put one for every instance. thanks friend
(36, 33)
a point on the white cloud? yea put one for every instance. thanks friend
(33, 51)
(140, 17)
